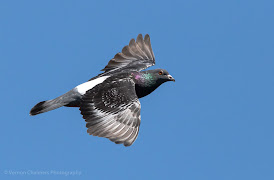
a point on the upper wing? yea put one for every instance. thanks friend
(112, 110)
(138, 55)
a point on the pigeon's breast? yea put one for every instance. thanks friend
(144, 90)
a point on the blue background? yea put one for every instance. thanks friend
(214, 122)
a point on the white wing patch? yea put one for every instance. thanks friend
(83, 88)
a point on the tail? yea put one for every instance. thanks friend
(45, 106)
(71, 97)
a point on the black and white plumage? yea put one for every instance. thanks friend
(109, 102)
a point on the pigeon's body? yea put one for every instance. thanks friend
(109, 102)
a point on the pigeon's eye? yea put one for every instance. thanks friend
(160, 72)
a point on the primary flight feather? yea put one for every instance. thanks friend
(109, 102)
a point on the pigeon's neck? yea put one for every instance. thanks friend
(145, 83)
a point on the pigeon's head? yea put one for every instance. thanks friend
(147, 81)
(161, 75)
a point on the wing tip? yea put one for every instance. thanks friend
(140, 36)
(145, 37)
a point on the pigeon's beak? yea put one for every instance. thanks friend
(170, 78)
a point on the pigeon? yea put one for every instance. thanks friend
(109, 102)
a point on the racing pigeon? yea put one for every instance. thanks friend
(109, 102)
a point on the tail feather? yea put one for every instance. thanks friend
(71, 97)
(45, 106)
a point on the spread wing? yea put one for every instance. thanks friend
(136, 56)
(112, 110)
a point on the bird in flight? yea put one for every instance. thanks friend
(109, 102)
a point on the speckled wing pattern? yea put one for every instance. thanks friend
(138, 55)
(112, 110)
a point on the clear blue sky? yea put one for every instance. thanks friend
(215, 123)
